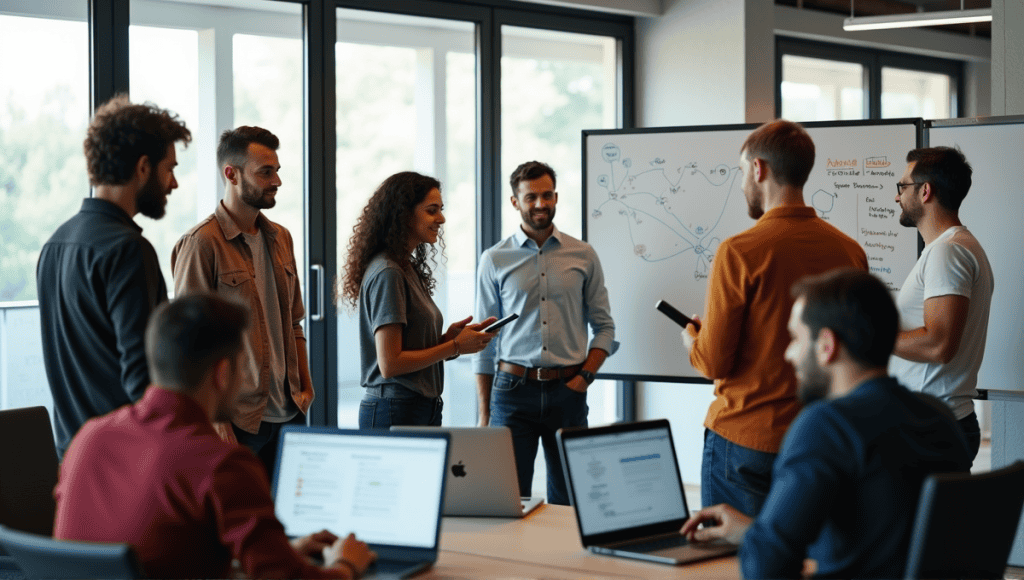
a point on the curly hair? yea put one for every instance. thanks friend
(384, 227)
(121, 132)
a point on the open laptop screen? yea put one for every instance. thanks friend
(624, 480)
(386, 489)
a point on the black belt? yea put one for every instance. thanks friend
(540, 373)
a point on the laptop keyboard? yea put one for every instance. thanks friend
(658, 544)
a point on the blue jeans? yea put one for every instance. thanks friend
(535, 410)
(972, 431)
(733, 474)
(265, 442)
(383, 412)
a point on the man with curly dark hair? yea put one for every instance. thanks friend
(238, 252)
(98, 277)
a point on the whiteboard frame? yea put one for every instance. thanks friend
(920, 137)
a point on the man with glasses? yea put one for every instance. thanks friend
(944, 303)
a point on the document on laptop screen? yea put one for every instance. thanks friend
(624, 480)
(385, 489)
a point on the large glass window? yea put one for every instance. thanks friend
(406, 96)
(913, 93)
(553, 86)
(827, 82)
(815, 89)
(44, 110)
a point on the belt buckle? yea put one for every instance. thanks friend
(536, 373)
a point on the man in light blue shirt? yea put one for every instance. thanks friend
(533, 377)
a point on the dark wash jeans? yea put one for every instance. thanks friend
(972, 431)
(265, 443)
(399, 406)
(537, 409)
(733, 474)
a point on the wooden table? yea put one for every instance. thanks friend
(546, 544)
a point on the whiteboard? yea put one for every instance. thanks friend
(992, 211)
(657, 202)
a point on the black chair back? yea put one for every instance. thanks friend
(966, 524)
(43, 557)
(29, 459)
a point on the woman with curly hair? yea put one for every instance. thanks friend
(388, 277)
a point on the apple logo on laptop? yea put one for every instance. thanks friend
(459, 470)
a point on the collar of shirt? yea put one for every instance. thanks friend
(521, 238)
(109, 208)
(159, 403)
(231, 229)
(789, 211)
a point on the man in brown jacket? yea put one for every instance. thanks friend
(239, 253)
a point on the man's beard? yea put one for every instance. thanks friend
(151, 200)
(533, 223)
(813, 383)
(256, 198)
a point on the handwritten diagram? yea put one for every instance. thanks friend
(669, 209)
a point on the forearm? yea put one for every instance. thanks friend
(483, 397)
(409, 361)
(595, 358)
(919, 345)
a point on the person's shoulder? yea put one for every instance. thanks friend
(381, 265)
(205, 230)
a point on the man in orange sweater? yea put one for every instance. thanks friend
(741, 340)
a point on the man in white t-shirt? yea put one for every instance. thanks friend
(944, 303)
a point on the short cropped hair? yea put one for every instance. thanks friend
(187, 336)
(528, 172)
(946, 169)
(857, 307)
(233, 148)
(787, 149)
(120, 133)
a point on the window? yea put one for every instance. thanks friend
(405, 101)
(42, 172)
(825, 82)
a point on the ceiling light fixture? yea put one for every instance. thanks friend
(916, 19)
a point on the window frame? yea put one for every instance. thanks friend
(873, 61)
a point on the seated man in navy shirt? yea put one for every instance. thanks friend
(846, 482)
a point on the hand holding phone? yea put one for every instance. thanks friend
(676, 316)
(499, 323)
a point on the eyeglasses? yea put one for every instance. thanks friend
(900, 186)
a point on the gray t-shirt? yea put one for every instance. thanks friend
(391, 294)
(280, 406)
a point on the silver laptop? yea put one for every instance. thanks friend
(385, 487)
(624, 482)
(482, 478)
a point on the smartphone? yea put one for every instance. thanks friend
(676, 316)
(499, 323)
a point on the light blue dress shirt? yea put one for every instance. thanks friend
(557, 290)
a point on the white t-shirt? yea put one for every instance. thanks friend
(953, 264)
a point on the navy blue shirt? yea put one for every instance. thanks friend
(846, 483)
(98, 281)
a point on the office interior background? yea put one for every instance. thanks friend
(462, 90)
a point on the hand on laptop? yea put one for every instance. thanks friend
(314, 544)
(348, 552)
(729, 524)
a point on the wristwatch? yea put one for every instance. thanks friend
(587, 376)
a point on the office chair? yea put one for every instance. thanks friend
(43, 557)
(28, 458)
(966, 524)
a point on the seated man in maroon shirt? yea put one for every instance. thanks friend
(155, 474)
